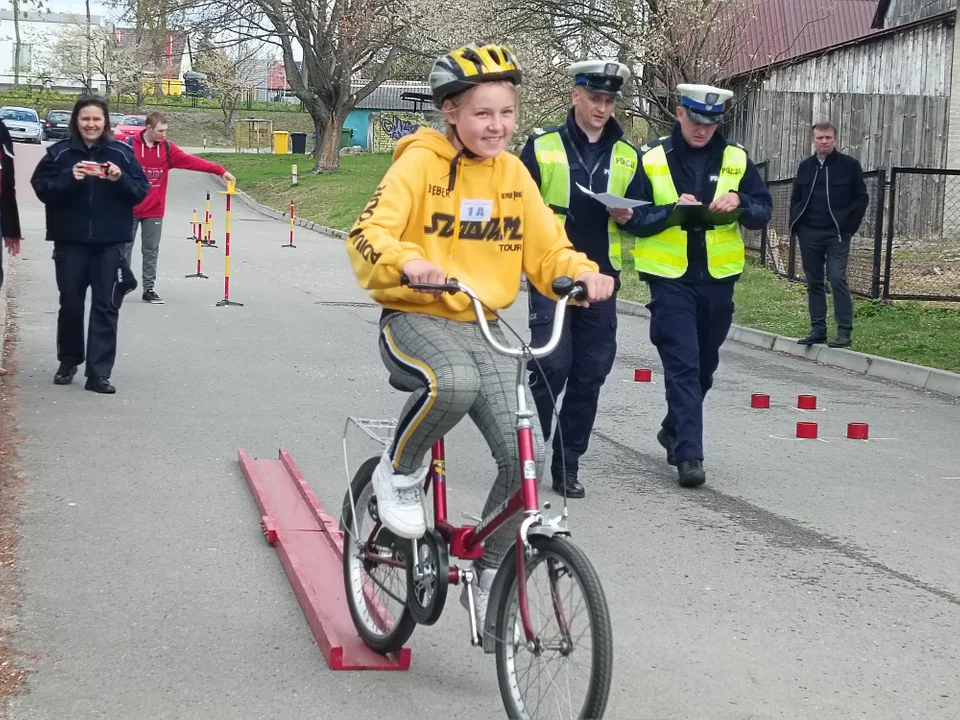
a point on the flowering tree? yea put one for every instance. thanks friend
(82, 53)
(231, 74)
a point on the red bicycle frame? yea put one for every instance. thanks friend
(466, 541)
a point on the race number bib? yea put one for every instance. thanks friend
(476, 210)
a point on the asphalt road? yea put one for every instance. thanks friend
(807, 579)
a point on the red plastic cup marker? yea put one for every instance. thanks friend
(759, 400)
(807, 402)
(807, 430)
(858, 431)
(642, 375)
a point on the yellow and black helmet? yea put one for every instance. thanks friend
(471, 65)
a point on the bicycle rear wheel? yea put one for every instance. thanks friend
(568, 672)
(374, 570)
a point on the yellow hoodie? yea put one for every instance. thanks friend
(420, 210)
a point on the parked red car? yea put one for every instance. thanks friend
(129, 126)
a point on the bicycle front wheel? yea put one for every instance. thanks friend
(567, 671)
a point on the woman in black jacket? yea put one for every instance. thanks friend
(89, 184)
(9, 211)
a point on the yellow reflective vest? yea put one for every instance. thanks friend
(555, 182)
(665, 254)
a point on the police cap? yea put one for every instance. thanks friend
(704, 104)
(599, 76)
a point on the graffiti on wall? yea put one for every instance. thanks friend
(388, 127)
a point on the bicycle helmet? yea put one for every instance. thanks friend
(471, 65)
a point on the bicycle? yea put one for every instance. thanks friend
(425, 563)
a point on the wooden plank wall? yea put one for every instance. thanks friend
(901, 12)
(889, 98)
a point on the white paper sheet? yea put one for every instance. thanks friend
(613, 201)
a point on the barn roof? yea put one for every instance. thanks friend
(783, 30)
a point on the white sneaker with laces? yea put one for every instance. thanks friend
(481, 596)
(400, 500)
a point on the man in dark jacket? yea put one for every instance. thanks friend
(691, 252)
(89, 184)
(9, 210)
(827, 206)
(588, 150)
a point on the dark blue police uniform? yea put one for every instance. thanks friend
(691, 314)
(588, 347)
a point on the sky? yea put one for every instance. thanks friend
(77, 6)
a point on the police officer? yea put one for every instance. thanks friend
(690, 251)
(587, 150)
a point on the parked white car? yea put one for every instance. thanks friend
(22, 123)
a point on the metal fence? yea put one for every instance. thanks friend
(922, 253)
(919, 259)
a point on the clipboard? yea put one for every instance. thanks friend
(700, 216)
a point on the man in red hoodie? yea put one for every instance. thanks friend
(158, 156)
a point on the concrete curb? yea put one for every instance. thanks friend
(940, 381)
(277, 215)
(4, 305)
(919, 376)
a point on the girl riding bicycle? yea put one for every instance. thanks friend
(457, 205)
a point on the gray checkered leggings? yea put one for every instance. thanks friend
(452, 372)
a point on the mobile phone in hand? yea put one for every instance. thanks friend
(94, 168)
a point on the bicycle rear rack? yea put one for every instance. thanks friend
(380, 431)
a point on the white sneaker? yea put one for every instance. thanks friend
(481, 596)
(400, 500)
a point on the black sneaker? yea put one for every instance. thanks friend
(100, 385)
(669, 444)
(691, 473)
(64, 374)
(151, 297)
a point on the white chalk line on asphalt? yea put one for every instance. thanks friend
(829, 438)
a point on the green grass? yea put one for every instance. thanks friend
(334, 199)
(910, 331)
(913, 332)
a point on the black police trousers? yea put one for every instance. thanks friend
(580, 365)
(688, 324)
(80, 266)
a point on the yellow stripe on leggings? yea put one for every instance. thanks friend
(431, 392)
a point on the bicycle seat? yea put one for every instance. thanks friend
(397, 382)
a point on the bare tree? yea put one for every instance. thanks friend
(17, 43)
(20, 8)
(664, 42)
(153, 22)
(348, 49)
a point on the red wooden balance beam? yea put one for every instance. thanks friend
(310, 546)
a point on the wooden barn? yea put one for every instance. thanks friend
(882, 72)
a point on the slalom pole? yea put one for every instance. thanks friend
(193, 228)
(290, 244)
(198, 239)
(209, 241)
(229, 192)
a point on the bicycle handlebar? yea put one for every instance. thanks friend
(564, 287)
